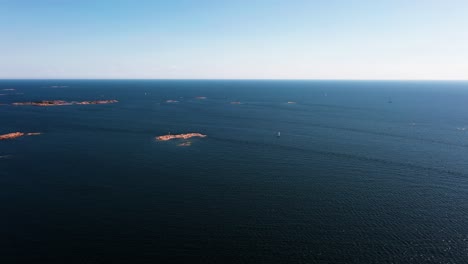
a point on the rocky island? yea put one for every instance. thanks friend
(61, 102)
(11, 135)
(179, 136)
(17, 135)
(44, 103)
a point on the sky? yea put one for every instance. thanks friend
(238, 39)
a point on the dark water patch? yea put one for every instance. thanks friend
(341, 155)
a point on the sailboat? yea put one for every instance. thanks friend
(279, 134)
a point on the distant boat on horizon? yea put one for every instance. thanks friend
(279, 134)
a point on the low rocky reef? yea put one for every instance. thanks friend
(17, 135)
(179, 136)
(61, 102)
(97, 102)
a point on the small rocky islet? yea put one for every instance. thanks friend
(179, 136)
(14, 135)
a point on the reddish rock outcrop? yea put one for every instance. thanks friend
(11, 135)
(17, 135)
(179, 136)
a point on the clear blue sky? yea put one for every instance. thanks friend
(238, 39)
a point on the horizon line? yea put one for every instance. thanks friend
(228, 79)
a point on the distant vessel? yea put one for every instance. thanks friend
(279, 134)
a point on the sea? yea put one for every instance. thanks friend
(362, 172)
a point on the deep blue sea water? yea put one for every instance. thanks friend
(364, 172)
